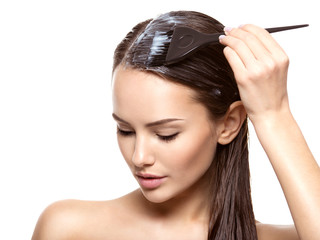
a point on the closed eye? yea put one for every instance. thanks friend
(124, 133)
(168, 138)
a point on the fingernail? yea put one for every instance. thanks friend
(222, 37)
(227, 29)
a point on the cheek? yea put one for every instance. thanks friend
(192, 153)
(126, 146)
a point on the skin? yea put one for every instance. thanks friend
(177, 209)
(186, 157)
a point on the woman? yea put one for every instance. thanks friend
(182, 130)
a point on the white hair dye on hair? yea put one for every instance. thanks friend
(157, 41)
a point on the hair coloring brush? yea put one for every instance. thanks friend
(186, 40)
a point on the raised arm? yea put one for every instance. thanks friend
(260, 67)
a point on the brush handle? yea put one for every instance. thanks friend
(279, 29)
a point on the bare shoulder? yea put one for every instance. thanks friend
(276, 232)
(76, 219)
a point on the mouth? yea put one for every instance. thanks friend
(150, 181)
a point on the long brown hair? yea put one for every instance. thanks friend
(209, 74)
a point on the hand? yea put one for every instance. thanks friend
(260, 67)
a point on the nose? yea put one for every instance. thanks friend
(143, 154)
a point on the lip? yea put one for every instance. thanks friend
(150, 181)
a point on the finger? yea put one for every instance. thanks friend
(265, 37)
(277, 58)
(235, 62)
(240, 48)
(253, 43)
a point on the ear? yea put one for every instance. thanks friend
(232, 122)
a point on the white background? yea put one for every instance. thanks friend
(57, 137)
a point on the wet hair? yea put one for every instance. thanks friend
(208, 73)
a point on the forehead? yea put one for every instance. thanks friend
(143, 94)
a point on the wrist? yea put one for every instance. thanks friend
(280, 113)
(272, 121)
(278, 134)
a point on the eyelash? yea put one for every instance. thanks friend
(168, 138)
(124, 133)
(163, 138)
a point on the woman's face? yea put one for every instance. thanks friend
(166, 138)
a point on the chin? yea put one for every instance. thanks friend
(161, 194)
(156, 195)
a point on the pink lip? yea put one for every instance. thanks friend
(150, 181)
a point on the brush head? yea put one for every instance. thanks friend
(185, 41)
(170, 46)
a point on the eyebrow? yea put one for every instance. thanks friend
(152, 124)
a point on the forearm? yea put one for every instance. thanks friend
(296, 169)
